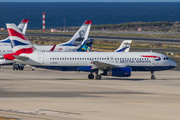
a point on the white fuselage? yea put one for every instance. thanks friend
(77, 59)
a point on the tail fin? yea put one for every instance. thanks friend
(52, 49)
(85, 46)
(80, 35)
(20, 44)
(23, 25)
(125, 46)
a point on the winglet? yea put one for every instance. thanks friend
(52, 49)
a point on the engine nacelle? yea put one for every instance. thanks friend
(120, 72)
(86, 69)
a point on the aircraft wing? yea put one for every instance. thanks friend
(23, 58)
(103, 65)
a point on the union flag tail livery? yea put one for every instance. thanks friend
(20, 44)
(23, 25)
(80, 35)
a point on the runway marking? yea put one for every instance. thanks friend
(24, 116)
(40, 112)
(7, 118)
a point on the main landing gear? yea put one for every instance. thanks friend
(18, 66)
(91, 76)
(98, 77)
(152, 75)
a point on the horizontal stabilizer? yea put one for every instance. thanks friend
(23, 58)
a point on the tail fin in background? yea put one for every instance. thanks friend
(85, 46)
(125, 46)
(23, 25)
(80, 35)
(20, 44)
(52, 49)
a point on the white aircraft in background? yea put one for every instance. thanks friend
(119, 64)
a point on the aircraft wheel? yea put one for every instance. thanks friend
(91, 76)
(98, 77)
(32, 68)
(153, 77)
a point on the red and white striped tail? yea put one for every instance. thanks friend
(20, 44)
(23, 25)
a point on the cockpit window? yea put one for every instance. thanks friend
(166, 58)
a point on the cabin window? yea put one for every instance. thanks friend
(67, 58)
(77, 58)
(87, 58)
(82, 58)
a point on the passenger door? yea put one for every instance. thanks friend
(41, 58)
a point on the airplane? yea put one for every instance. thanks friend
(119, 64)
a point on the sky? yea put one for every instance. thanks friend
(89, 0)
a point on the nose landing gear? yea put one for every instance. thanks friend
(152, 75)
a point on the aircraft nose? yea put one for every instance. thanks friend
(174, 64)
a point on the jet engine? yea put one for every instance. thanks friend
(120, 72)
